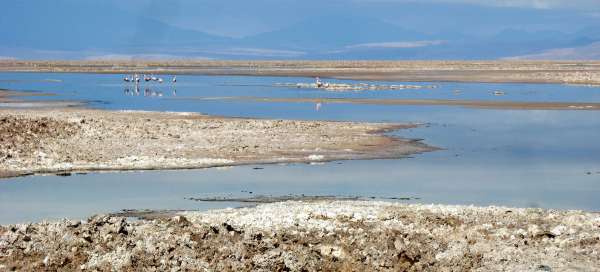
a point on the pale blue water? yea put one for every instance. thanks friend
(502, 157)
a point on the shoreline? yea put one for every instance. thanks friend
(479, 104)
(9, 100)
(314, 235)
(564, 72)
(80, 140)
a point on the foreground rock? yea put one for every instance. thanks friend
(314, 236)
(64, 140)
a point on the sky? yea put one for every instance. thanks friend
(285, 28)
(237, 18)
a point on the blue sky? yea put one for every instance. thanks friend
(295, 29)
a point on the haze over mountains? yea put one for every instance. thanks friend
(67, 29)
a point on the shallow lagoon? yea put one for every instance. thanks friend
(526, 158)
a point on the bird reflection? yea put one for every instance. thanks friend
(148, 92)
(318, 106)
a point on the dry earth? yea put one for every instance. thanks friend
(577, 72)
(314, 236)
(64, 140)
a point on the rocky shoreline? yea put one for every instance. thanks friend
(66, 140)
(314, 236)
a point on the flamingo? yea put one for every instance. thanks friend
(318, 82)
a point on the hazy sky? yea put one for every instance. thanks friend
(238, 18)
(314, 26)
(241, 18)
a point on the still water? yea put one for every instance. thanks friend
(525, 158)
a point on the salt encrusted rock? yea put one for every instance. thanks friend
(558, 230)
(322, 235)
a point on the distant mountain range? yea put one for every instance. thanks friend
(587, 52)
(94, 26)
(104, 31)
(333, 32)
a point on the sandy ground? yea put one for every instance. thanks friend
(64, 140)
(314, 236)
(577, 72)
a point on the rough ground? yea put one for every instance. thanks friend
(578, 72)
(64, 140)
(314, 236)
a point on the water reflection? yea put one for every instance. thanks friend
(502, 157)
(108, 88)
(148, 92)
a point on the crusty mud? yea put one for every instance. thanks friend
(64, 140)
(313, 236)
(577, 72)
(289, 197)
(480, 104)
(347, 87)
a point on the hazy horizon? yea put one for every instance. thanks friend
(352, 29)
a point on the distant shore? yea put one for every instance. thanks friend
(571, 72)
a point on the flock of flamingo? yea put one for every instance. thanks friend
(147, 78)
(135, 78)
